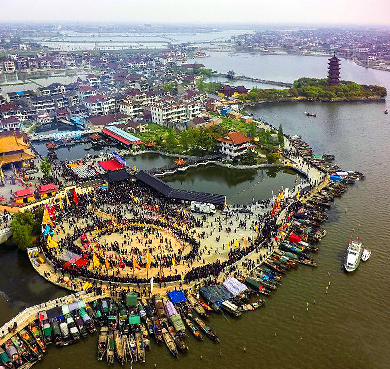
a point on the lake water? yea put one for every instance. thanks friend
(347, 328)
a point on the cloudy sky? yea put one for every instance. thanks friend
(376, 12)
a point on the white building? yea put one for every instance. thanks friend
(176, 112)
(234, 144)
(100, 105)
(10, 124)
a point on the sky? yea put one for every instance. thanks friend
(360, 12)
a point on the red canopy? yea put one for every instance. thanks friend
(295, 238)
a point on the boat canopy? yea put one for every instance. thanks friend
(134, 319)
(177, 297)
(295, 238)
(254, 284)
(234, 286)
(131, 299)
(170, 309)
(42, 316)
(54, 313)
(178, 323)
(215, 294)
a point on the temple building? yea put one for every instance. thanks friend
(14, 149)
(334, 71)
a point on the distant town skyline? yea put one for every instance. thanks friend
(357, 12)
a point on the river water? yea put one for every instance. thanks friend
(348, 327)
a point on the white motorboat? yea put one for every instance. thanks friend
(354, 253)
(366, 255)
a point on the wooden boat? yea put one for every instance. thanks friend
(231, 308)
(193, 329)
(178, 338)
(126, 349)
(118, 347)
(133, 347)
(102, 343)
(30, 342)
(157, 330)
(13, 353)
(140, 347)
(22, 348)
(110, 348)
(56, 333)
(204, 305)
(47, 332)
(196, 305)
(74, 332)
(38, 336)
(65, 333)
(80, 326)
(169, 342)
(149, 326)
(5, 360)
(205, 329)
(145, 337)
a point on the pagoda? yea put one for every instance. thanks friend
(334, 71)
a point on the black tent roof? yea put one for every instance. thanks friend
(116, 176)
(173, 193)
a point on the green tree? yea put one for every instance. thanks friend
(281, 136)
(46, 168)
(22, 227)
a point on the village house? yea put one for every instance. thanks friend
(100, 105)
(234, 144)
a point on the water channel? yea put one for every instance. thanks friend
(347, 328)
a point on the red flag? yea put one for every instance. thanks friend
(75, 197)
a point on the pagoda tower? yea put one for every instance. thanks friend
(334, 70)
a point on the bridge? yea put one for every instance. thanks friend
(62, 135)
(255, 80)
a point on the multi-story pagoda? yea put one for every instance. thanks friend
(334, 70)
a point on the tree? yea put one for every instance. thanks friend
(281, 136)
(46, 168)
(22, 230)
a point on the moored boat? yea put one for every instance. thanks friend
(352, 258)
(169, 342)
(110, 348)
(206, 330)
(194, 330)
(102, 343)
(366, 255)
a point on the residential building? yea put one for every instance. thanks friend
(234, 144)
(10, 124)
(100, 105)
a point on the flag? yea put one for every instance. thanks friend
(173, 261)
(148, 260)
(47, 230)
(151, 285)
(135, 264)
(298, 195)
(96, 261)
(67, 200)
(61, 204)
(52, 243)
(228, 245)
(75, 199)
(46, 217)
(107, 264)
(296, 180)
(236, 243)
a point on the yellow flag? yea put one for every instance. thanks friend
(61, 204)
(52, 243)
(236, 243)
(107, 264)
(148, 260)
(228, 245)
(298, 195)
(173, 261)
(67, 200)
(96, 261)
(46, 218)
